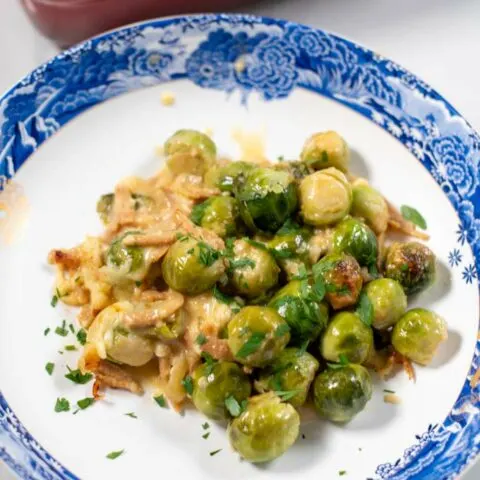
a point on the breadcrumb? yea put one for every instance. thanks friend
(391, 398)
(167, 98)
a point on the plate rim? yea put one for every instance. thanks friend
(245, 19)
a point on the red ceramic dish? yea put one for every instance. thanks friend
(70, 21)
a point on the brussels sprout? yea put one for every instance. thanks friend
(125, 262)
(326, 149)
(347, 337)
(104, 207)
(113, 341)
(298, 170)
(325, 197)
(252, 270)
(340, 393)
(412, 264)
(342, 277)
(354, 237)
(190, 151)
(388, 300)
(172, 328)
(192, 266)
(256, 335)
(219, 214)
(293, 372)
(226, 177)
(266, 198)
(291, 241)
(213, 383)
(298, 304)
(418, 334)
(369, 204)
(265, 430)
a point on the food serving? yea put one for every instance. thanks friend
(255, 289)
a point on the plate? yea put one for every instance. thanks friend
(78, 124)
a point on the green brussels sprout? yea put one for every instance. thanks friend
(113, 341)
(192, 266)
(291, 241)
(325, 197)
(388, 300)
(369, 204)
(213, 383)
(354, 237)
(257, 335)
(125, 262)
(219, 214)
(418, 334)
(347, 337)
(252, 270)
(340, 393)
(190, 151)
(292, 371)
(225, 178)
(342, 277)
(298, 170)
(104, 207)
(265, 430)
(172, 328)
(266, 198)
(298, 304)
(326, 149)
(412, 264)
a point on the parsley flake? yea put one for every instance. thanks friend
(85, 403)
(76, 376)
(114, 455)
(160, 400)
(82, 336)
(343, 359)
(207, 254)
(233, 407)
(62, 331)
(131, 415)
(365, 309)
(62, 405)
(282, 330)
(201, 339)
(205, 425)
(46, 332)
(287, 394)
(49, 367)
(187, 383)
(414, 216)
(215, 452)
(70, 348)
(251, 345)
(206, 435)
(389, 391)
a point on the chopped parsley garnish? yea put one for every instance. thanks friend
(71, 328)
(46, 331)
(215, 452)
(49, 367)
(187, 383)
(404, 267)
(282, 330)
(207, 254)
(114, 455)
(181, 236)
(62, 405)
(131, 415)
(62, 331)
(365, 309)
(251, 345)
(342, 473)
(242, 263)
(201, 339)
(210, 362)
(222, 298)
(138, 283)
(55, 298)
(205, 425)
(70, 348)
(206, 435)
(82, 336)
(389, 391)
(343, 359)
(233, 407)
(198, 211)
(85, 403)
(160, 400)
(303, 348)
(334, 366)
(287, 394)
(76, 376)
(414, 216)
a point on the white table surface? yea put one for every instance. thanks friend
(439, 40)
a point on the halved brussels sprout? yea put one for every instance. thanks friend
(340, 393)
(124, 262)
(224, 178)
(291, 241)
(347, 337)
(418, 334)
(292, 371)
(298, 170)
(369, 204)
(190, 151)
(326, 149)
(297, 304)
(192, 266)
(412, 264)
(354, 237)
(219, 214)
(214, 383)
(252, 270)
(342, 277)
(265, 430)
(325, 197)
(267, 198)
(113, 341)
(388, 300)
(257, 335)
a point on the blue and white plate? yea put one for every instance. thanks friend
(76, 125)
